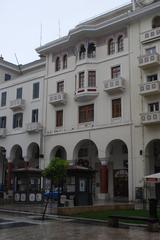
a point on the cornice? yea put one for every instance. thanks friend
(90, 30)
(22, 68)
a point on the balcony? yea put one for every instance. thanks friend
(150, 118)
(57, 99)
(85, 94)
(2, 132)
(148, 61)
(17, 104)
(33, 127)
(116, 85)
(150, 35)
(149, 88)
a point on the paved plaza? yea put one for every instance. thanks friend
(13, 227)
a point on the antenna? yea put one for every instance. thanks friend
(59, 28)
(133, 5)
(41, 34)
(18, 63)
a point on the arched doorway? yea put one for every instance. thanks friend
(3, 168)
(16, 157)
(58, 152)
(117, 153)
(33, 155)
(152, 161)
(86, 155)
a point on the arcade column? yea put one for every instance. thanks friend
(26, 162)
(103, 180)
(10, 175)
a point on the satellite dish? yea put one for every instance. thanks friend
(146, 2)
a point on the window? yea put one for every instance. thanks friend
(3, 122)
(58, 64)
(86, 113)
(19, 93)
(65, 61)
(116, 108)
(59, 118)
(7, 77)
(92, 79)
(35, 115)
(120, 44)
(153, 107)
(115, 72)
(151, 50)
(91, 50)
(111, 47)
(17, 120)
(151, 78)
(156, 22)
(60, 86)
(81, 80)
(3, 99)
(82, 52)
(83, 153)
(36, 90)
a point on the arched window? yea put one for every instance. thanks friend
(65, 61)
(120, 43)
(82, 52)
(111, 47)
(91, 50)
(156, 22)
(58, 64)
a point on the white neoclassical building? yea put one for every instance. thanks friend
(93, 98)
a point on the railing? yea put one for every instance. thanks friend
(150, 118)
(86, 93)
(57, 98)
(151, 59)
(33, 127)
(150, 35)
(17, 104)
(149, 88)
(114, 85)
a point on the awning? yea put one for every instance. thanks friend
(153, 178)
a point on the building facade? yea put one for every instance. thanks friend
(92, 98)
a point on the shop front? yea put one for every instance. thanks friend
(27, 185)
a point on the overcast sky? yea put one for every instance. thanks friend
(21, 21)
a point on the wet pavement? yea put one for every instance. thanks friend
(33, 228)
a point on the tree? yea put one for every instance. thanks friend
(55, 171)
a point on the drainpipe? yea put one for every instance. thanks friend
(131, 119)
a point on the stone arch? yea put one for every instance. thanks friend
(120, 43)
(117, 155)
(152, 161)
(59, 152)
(152, 157)
(65, 57)
(91, 51)
(17, 157)
(82, 51)
(111, 46)
(33, 155)
(58, 64)
(86, 153)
